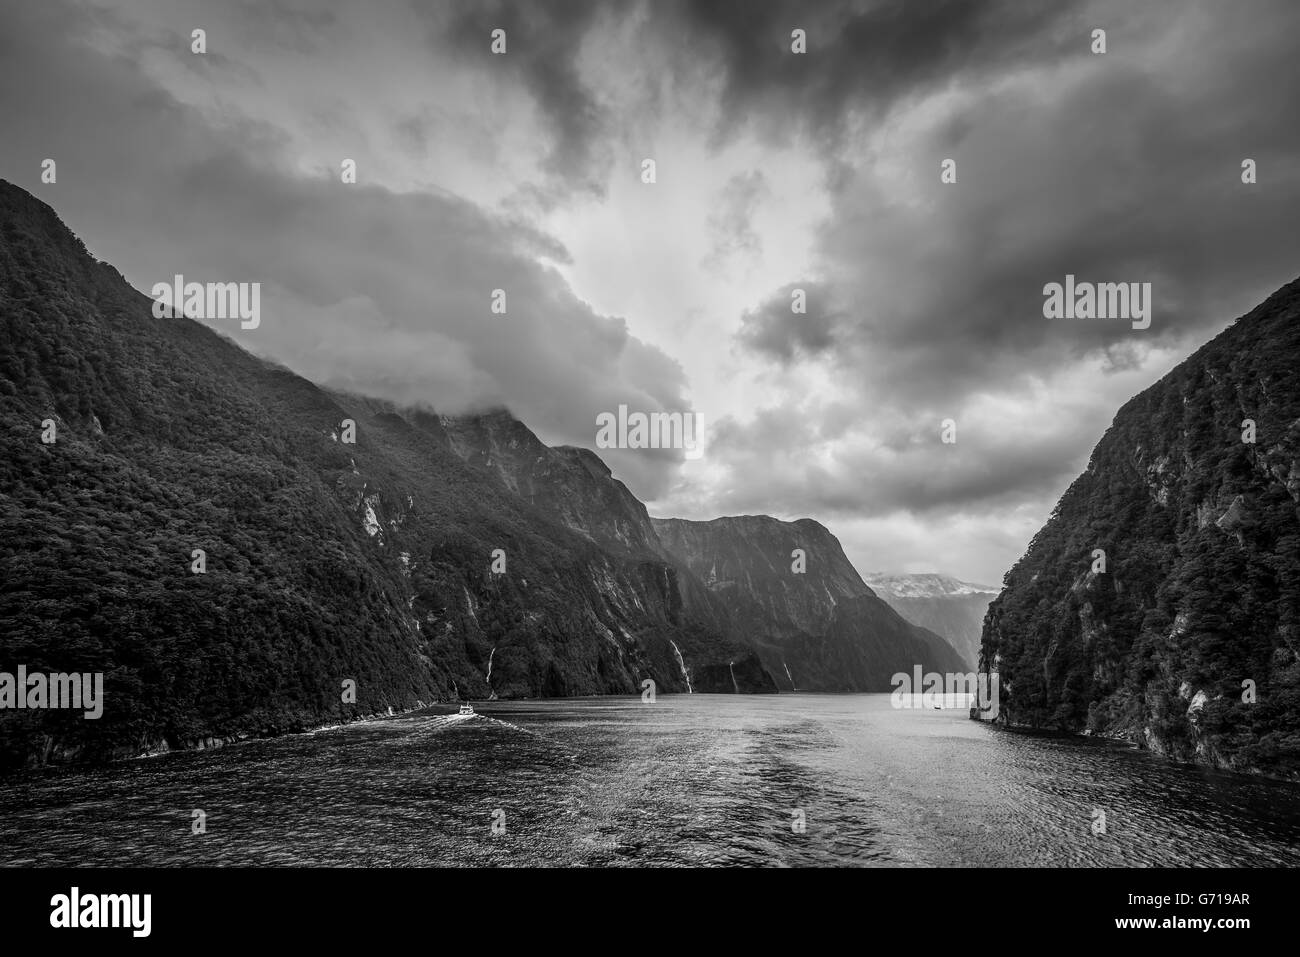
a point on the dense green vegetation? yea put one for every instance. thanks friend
(1202, 584)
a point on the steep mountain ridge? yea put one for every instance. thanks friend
(822, 628)
(742, 591)
(325, 562)
(1161, 601)
(572, 485)
(203, 532)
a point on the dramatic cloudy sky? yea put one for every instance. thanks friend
(776, 171)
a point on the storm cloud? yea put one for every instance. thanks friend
(779, 172)
(366, 289)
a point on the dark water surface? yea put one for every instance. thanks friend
(688, 780)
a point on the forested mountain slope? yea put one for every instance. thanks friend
(1188, 640)
(325, 561)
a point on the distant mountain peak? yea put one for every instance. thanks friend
(925, 585)
(822, 628)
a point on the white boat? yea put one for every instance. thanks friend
(467, 709)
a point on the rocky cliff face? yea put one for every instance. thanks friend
(571, 485)
(1161, 601)
(950, 608)
(241, 552)
(819, 629)
(409, 561)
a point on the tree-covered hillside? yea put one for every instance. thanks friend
(432, 558)
(1188, 640)
(325, 561)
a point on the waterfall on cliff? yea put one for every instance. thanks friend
(682, 664)
(492, 695)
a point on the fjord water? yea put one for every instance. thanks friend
(686, 780)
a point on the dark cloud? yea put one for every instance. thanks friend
(924, 299)
(776, 330)
(1125, 169)
(863, 57)
(544, 41)
(1122, 167)
(364, 289)
(831, 460)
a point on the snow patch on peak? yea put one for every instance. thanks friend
(930, 585)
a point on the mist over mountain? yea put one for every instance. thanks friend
(951, 608)
(199, 528)
(1161, 601)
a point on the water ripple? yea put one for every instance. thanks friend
(700, 780)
